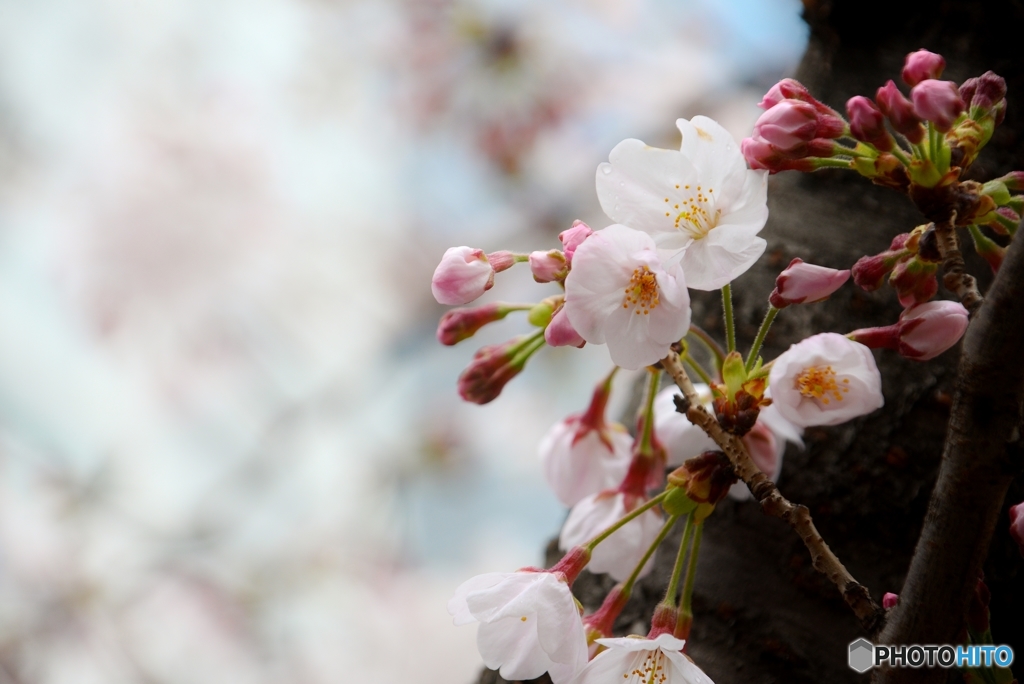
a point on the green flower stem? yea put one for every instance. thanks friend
(635, 513)
(827, 162)
(530, 345)
(691, 570)
(766, 324)
(627, 586)
(709, 343)
(898, 152)
(730, 324)
(677, 569)
(653, 380)
(698, 370)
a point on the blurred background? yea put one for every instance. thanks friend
(231, 449)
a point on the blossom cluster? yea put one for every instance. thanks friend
(690, 219)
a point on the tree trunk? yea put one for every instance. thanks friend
(762, 613)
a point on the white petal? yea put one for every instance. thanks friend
(711, 149)
(682, 671)
(457, 605)
(663, 641)
(711, 264)
(634, 185)
(512, 645)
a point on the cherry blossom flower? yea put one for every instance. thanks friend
(825, 379)
(701, 204)
(681, 438)
(584, 454)
(637, 660)
(619, 293)
(620, 553)
(529, 623)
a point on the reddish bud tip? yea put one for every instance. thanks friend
(922, 65)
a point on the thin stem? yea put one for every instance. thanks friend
(691, 570)
(709, 343)
(698, 370)
(898, 152)
(677, 569)
(730, 324)
(614, 527)
(529, 346)
(769, 317)
(653, 380)
(627, 586)
(828, 162)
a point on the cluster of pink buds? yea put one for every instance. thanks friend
(911, 263)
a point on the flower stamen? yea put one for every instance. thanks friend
(817, 382)
(642, 291)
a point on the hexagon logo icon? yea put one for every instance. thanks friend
(862, 655)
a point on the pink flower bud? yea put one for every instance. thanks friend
(760, 154)
(922, 333)
(802, 282)
(984, 92)
(914, 281)
(889, 600)
(922, 65)
(501, 261)
(460, 324)
(1017, 525)
(927, 330)
(867, 123)
(560, 332)
(900, 112)
(493, 366)
(548, 266)
(787, 125)
(938, 102)
(1014, 181)
(463, 275)
(870, 271)
(786, 89)
(573, 238)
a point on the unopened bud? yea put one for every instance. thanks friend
(938, 102)
(805, 283)
(889, 600)
(463, 275)
(460, 324)
(548, 266)
(922, 333)
(788, 124)
(867, 123)
(560, 332)
(786, 89)
(573, 238)
(493, 366)
(870, 271)
(922, 65)
(983, 93)
(900, 112)
(914, 281)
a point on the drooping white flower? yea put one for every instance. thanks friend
(681, 438)
(579, 462)
(529, 624)
(825, 379)
(618, 293)
(701, 204)
(635, 660)
(618, 554)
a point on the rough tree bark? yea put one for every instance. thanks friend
(762, 613)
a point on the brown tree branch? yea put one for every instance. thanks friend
(955, 276)
(774, 503)
(977, 468)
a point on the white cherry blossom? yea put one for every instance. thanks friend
(580, 462)
(618, 293)
(701, 204)
(635, 660)
(825, 379)
(529, 624)
(619, 554)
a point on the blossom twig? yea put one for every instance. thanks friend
(773, 503)
(956, 278)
